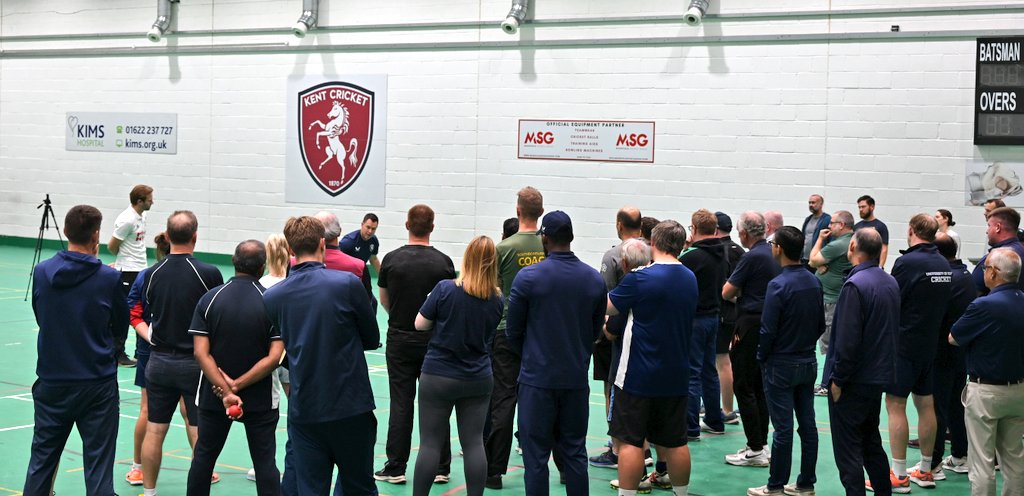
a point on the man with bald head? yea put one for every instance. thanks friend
(814, 223)
(171, 289)
(628, 222)
(237, 348)
(989, 333)
(334, 258)
(773, 222)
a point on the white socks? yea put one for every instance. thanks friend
(926, 464)
(899, 467)
(149, 492)
(136, 466)
(681, 490)
(627, 492)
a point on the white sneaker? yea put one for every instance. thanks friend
(748, 458)
(937, 473)
(764, 491)
(251, 475)
(794, 490)
(955, 465)
(659, 480)
(643, 488)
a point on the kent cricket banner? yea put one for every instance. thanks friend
(133, 132)
(588, 140)
(336, 140)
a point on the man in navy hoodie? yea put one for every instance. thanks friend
(555, 313)
(78, 303)
(326, 322)
(861, 361)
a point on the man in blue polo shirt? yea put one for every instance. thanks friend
(990, 335)
(1002, 224)
(792, 321)
(78, 305)
(363, 244)
(237, 348)
(924, 278)
(555, 313)
(653, 373)
(325, 319)
(749, 282)
(860, 363)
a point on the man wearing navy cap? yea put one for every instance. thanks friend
(989, 332)
(555, 312)
(727, 321)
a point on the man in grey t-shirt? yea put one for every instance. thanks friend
(814, 223)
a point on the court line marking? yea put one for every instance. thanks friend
(5, 429)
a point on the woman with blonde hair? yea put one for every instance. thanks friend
(277, 260)
(463, 315)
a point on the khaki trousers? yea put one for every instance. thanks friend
(995, 423)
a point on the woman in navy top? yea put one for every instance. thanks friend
(463, 315)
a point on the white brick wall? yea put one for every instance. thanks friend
(739, 125)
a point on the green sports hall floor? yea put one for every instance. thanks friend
(711, 476)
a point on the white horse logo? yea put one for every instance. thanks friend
(333, 130)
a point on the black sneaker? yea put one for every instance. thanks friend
(493, 482)
(442, 479)
(124, 360)
(914, 443)
(391, 473)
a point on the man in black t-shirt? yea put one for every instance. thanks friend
(171, 290)
(237, 348)
(406, 277)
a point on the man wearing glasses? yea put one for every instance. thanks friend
(828, 257)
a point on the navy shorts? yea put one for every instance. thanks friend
(142, 351)
(662, 420)
(168, 378)
(912, 377)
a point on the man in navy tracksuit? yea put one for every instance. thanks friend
(861, 361)
(555, 313)
(792, 321)
(78, 303)
(326, 323)
(924, 279)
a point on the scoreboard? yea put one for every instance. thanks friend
(999, 92)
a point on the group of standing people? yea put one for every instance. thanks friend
(676, 324)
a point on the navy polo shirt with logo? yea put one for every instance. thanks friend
(925, 281)
(354, 245)
(232, 316)
(171, 290)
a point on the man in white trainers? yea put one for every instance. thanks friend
(989, 332)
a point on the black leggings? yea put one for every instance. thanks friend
(471, 400)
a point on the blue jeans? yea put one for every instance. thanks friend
(704, 376)
(789, 388)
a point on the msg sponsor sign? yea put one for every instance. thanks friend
(595, 141)
(134, 132)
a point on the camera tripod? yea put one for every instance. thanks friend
(44, 225)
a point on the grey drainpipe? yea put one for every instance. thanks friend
(696, 12)
(307, 21)
(163, 20)
(516, 17)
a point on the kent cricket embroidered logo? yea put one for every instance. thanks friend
(335, 133)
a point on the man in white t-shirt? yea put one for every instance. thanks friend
(129, 245)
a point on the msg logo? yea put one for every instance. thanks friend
(632, 140)
(543, 138)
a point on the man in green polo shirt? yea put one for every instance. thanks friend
(828, 256)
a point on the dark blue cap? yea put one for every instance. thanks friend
(724, 222)
(556, 224)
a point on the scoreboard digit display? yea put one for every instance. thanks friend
(999, 92)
